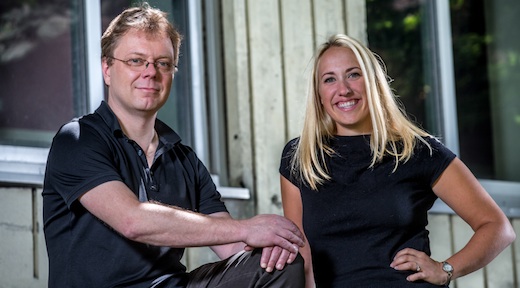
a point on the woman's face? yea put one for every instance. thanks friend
(341, 86)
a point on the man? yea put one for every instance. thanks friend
(122, 196)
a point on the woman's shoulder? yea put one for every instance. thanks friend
(293, 141)
(432, 142)
(291, 145)
(432, 148)
(288, 152)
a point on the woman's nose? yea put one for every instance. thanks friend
(344, 88)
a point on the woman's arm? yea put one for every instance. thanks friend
(461, 191)
(293, 210)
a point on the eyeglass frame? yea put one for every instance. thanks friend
(145, 63)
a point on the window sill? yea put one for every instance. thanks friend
(25, 166)
(22, 166)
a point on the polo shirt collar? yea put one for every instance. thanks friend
(166, 134)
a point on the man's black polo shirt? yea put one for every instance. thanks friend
(89, 151)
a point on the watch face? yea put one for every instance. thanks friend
(447, 267)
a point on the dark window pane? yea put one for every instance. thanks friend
(37, 40)
(486, 57)
(396, 32)
(486, 68)
(472, 85)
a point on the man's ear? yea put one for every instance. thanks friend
(106, 71)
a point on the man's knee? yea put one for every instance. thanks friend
(292, 275)
(299, 259)
(297, 266)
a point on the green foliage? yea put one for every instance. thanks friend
(394, 32)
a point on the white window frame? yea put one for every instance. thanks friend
(505, 193)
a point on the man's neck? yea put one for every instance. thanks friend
(138, 126)
(142, 131)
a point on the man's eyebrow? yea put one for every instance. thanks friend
(144, 55)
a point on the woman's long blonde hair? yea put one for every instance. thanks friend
(392, 132)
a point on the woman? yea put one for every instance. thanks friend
(361, 178)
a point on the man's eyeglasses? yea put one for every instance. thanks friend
(139, 65)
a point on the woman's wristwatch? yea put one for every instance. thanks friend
(449, 270)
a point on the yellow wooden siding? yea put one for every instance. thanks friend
(23, 256)
(297, 51)
(272, 42)
(237, 91)
(267, 99)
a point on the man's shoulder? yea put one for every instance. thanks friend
(86, 130)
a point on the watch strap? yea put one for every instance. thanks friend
(448, 271)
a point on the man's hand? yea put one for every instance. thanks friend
(276, 232)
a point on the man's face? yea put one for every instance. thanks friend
(139, 90)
